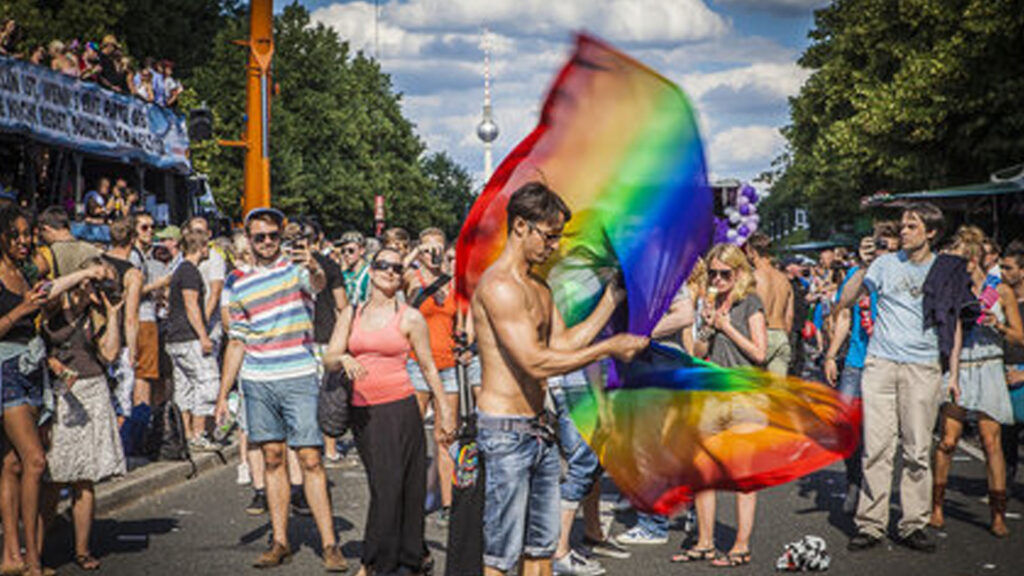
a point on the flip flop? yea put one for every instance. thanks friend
(731, 560)
(87, 562)
(695, 555)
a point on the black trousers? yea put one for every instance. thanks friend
(392, 446)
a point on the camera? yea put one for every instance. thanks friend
(435, 256)
(111, 288)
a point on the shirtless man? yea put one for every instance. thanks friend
(523, 341)
(775, 292)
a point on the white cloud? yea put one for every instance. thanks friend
(791, 7)
(779, 80)
(745, 147)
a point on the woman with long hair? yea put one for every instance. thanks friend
(22, 353)
(371, 343)
(733, 333)
(84, 336)
(983, 390)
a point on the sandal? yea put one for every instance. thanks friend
(731, 560)
(695, 555)
(87, 562)
(13, 570)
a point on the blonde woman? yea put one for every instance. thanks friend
(733, 333)
(983, 390)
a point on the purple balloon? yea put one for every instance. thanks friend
(745, 210)
(753, 196)
(747, 190)
(744, 231)
(721, 230)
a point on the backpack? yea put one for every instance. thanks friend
(166, 439)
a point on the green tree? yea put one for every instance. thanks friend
(452, 185)
(337, 134)
(903, 95)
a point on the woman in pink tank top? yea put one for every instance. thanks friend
(371, 343)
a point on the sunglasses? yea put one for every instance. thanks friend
(548, 236)
(145, 227)
(261, 237)
(723, 274)
(383, 266)
(349, 251)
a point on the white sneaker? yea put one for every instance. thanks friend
(640, 535)
(575, 564)
(244, 477)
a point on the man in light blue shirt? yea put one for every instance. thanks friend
(901, 384)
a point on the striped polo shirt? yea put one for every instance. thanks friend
(271, 312)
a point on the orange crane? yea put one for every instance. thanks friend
(256, 139)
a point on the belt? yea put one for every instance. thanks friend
(542, 425)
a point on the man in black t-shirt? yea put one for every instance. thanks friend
(196, 378)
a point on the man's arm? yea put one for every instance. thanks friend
(787, 315)
(580, 335)
(132, 297)
(504, 303)
(195, 317)
(678, 317)
(841, 324)
(233, 356)
(852, 291)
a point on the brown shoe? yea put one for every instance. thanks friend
(276, 555)
(997, 503)
(334, 560)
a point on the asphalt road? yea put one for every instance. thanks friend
(200, 527)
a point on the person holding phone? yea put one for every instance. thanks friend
(22, 353)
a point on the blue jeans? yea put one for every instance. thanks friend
(849, 384)
(283, 411)
(583, 468)
(20, 389)
(656, 524)
(521, 512)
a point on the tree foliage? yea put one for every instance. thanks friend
(904, 95)
(337, 134)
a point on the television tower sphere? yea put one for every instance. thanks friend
(487, 130)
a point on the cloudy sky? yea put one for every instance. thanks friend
(736, 59)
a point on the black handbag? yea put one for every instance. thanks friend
(333, 402)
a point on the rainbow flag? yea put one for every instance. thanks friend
(619, 143)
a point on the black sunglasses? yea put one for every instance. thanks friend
(261, 237)
(723, 274)
(348, 251)
(383, 266)
(547, 236)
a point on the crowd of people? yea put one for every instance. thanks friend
(104, 62)
(99, 341)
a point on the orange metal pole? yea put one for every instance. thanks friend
(257, 106)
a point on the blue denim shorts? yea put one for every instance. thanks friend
(583, 468)
(20, 389)
(849, 381)
(283, 411)
(448, 379)
(521, 509)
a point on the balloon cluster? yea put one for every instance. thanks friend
(740, 220)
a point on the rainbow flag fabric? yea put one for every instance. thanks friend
(620, 144)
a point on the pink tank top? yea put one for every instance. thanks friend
(383, 353)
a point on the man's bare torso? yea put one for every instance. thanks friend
(774, 290)
(506, 388)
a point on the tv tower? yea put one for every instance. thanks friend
(487, 130)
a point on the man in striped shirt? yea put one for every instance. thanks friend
(271, 352)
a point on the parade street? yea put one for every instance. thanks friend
(200, 527)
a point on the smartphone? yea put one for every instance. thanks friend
(45, 287)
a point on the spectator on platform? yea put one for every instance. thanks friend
(172, 88)
(62, 60)
(8, 37)
(111, 76)
(37, 55)
(89, 62)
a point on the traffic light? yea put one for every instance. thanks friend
(200, 124)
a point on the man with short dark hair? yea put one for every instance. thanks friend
(777, 295)
(901, 384)
(188, 343)
(270, 350)
(68, 252)
(354, 267)
(523, 341)
(119, 256)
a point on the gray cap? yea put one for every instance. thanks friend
(351, 237)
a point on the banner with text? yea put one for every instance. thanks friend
(61, 110)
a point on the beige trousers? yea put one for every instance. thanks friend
(901, 403)
(778, 352)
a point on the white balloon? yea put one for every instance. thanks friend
(742, 200)
(756, 218)
(732, 234)
(734, 218)
(753, 226)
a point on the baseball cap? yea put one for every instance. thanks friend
(274, 213)
(351, 237)
(168, 233)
